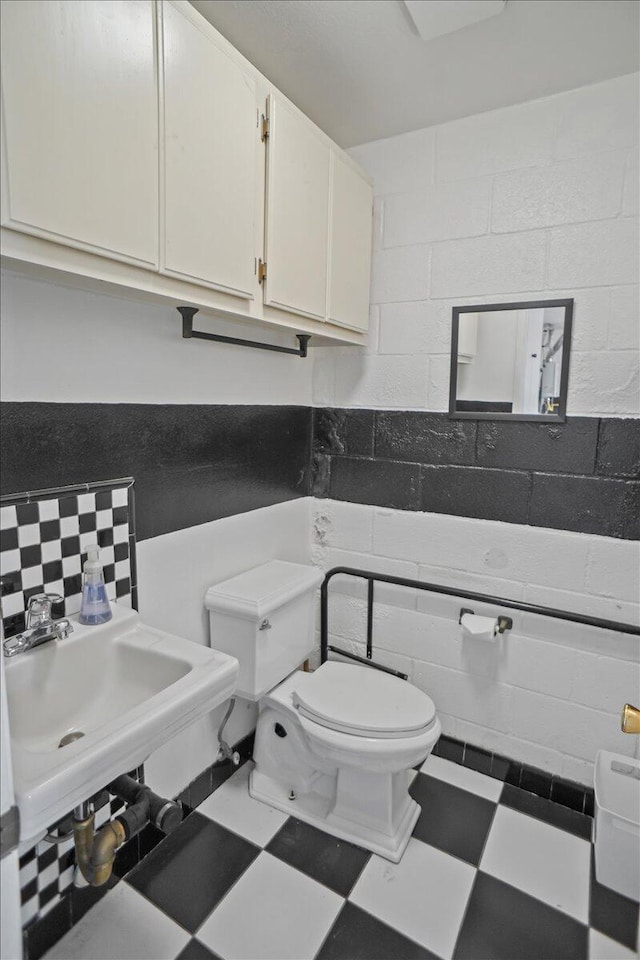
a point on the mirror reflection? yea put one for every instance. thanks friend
(510, 360)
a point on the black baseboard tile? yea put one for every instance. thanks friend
(213, 776)
(528, 779)
(541, 808)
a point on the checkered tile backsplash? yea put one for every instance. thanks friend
(43, 542)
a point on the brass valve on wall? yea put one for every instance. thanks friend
(630, 720)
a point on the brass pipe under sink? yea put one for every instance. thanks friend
(630, 720)
(96, 852)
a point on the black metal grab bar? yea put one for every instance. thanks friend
(371, 578)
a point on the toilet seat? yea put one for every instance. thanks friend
(363, 702)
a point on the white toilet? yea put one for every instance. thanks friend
(333, 747)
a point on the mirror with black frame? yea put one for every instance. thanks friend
(510, 361)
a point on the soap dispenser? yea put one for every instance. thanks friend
(95, 603)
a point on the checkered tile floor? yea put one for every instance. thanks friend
(490, 872)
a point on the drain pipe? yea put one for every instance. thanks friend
(95, 852)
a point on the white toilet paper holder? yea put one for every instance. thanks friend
(504, 623)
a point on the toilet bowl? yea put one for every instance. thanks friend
(335, 747)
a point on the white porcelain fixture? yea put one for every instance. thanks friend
(126, 686)
(333, 747)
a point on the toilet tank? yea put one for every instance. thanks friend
(265, 618)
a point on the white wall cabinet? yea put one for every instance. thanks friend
(211, 156)
(297, 213)
(350, 246)
(80, 120)
(132, 155)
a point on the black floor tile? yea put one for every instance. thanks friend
(195, 950)
(554, 813)
(335, 863)
(189, 873)
(611, 913)
(452, 819)
(502, 923)
(356, 935)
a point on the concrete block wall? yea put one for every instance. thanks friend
(547, 693)
(534, 201)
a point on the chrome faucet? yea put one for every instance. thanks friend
(41, 627)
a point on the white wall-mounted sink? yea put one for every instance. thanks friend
(126, 686)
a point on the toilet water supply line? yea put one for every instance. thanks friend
(225, 752)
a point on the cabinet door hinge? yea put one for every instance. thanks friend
(264, 127)
(262, 271)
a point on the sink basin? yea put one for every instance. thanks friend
(126, 686)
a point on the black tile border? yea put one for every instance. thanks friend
(547, 786)
(582, 475)
(193, 463)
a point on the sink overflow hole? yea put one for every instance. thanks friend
(70, 737)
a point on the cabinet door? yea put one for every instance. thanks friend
(79, 89)
(350, 247)
(212, 144)
(297, 213)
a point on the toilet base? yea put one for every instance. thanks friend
(320, 811)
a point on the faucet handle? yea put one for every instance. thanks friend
(39, 608)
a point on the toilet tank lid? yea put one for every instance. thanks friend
(257, 592)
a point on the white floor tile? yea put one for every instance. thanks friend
(232, 806)
(542, 860)
(424, 896)
(463, 777)
(273, 912)
(122, 926)
(603, 948)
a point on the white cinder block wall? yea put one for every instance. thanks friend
(534, 201)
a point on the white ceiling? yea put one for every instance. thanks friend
(359, 69)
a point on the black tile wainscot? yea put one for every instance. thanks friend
(191, 463)
(582, 475)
